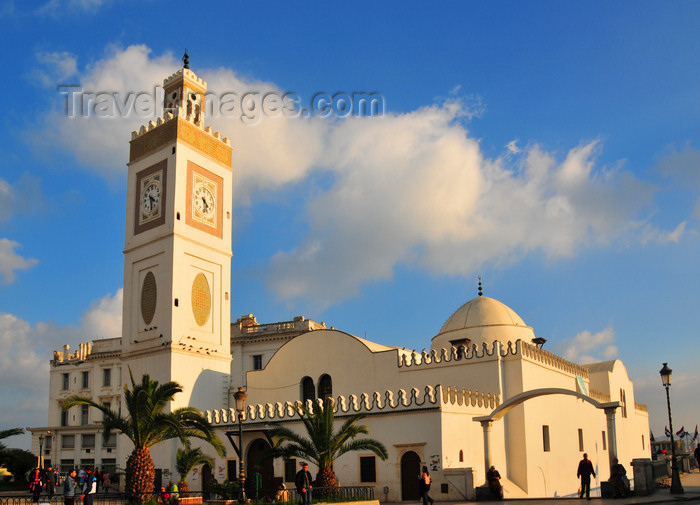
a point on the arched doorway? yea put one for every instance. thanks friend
(410, 471)
(255, 464)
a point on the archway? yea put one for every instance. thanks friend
(207, 481)
(410, 470)
(255, 464)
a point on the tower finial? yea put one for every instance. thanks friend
(186, 60)
(481, 291)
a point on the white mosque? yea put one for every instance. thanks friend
(486, 393)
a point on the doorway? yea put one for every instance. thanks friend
(410, 471)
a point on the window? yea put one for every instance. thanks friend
(605, 443)
(642, 442)
(84, 414)
(623, 403)
(368, 469)
(66, 381)
(325, 387)
(461, 456)
(231, 470)
(66, 466)
(290, 470)
(109, 465)
(308, 391)
(580, 439)
(257, 361)
(461, 345)
(47, 443)
(545, 438)
(67, 441)
(86, 379)
(87, 463)
(110, 441)
(88, 441)
(107, 377)
(64, 418)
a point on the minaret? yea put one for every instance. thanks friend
(177, 253)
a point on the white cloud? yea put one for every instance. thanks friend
(55, 67)
(10, 261)
(27, 350)
(587, 347)
(410, 189)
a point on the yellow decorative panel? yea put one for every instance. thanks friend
(201, 299)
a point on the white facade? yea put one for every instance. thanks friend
(485, 393)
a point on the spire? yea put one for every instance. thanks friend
(481, 290)
(186, 60)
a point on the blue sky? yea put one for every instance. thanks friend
(550, 147)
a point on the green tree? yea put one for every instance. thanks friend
(323, 446)
(18, 462)
(148, 424)
(9, 433)
(186, 459)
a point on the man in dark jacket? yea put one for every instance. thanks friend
(50, 480)
(585, 470)
(303, 483)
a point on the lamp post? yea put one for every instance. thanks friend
(41, 447)
(240, 397)
(676, 487)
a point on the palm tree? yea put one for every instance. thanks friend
(323, 446)
(186, 460)
(147, 425)
(9, 433)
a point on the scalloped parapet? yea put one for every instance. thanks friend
(179, 113)
(475, 352)
(375, 402)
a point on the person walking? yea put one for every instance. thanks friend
(35, 484)
(69, 488)
(424, 486)
(50, 481)
(89, 489)
(585, 470)
(106, 481)
(303, 482)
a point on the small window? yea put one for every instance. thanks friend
(67, 441)
(545, 438)
(86, 379)
(66, 381)
(66, 466)
(605, 442)
(257, 362)
(308, 390)
(368, 469)
(461, 456)
(580, 439)
(88, 441)
(623, 403)
(64, 418)
(642, 442)
(107, 377)
(461, 345)
(290, 469)
(110, 441)
(325, 387)
(84, 415)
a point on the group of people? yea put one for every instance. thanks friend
(618, 478)
(84, 484)
(169, 495)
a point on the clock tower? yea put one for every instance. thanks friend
(177, 253)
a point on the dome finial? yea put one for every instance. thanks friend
(186, 60)
(481, 290)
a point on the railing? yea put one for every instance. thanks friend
(335, 495)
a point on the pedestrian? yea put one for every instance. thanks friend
(35, 484)
(303, 482)
(493, 477)
(618, 475)
(106, 481)
(50, 480)
(424, 486)
(585, 470)
(90, 489)
(98, 478)
(174, 493)
(697, 455)
(69, 488)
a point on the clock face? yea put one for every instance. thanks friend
(150, 202)
(204, 201)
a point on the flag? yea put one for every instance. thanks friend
(651, 434)
(680, 432)
(667, 431)
(695, 437)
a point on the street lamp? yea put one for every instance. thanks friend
(676, 487)
(240, 397)
(41, 447)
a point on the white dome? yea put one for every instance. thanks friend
(482, 320)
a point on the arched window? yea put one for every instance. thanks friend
(308, 391)
(325, 387)
(461, 456)
(623, 403)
